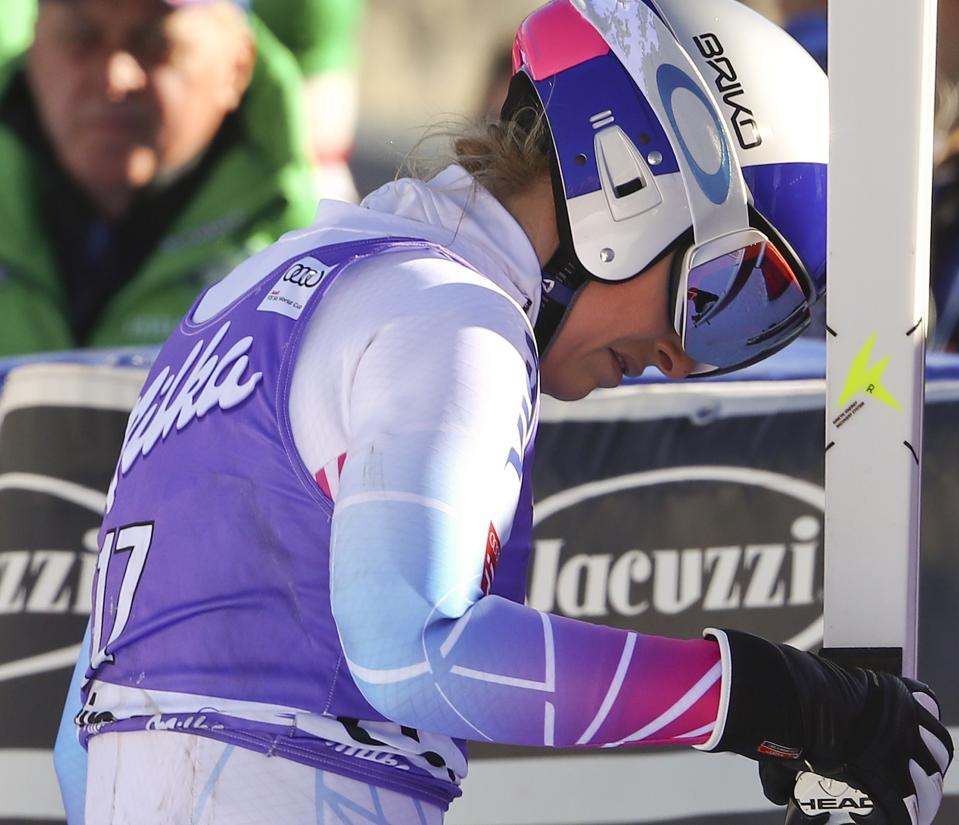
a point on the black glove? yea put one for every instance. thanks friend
(792, 711)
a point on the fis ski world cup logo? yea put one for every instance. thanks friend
(298, 283)
(674, 550)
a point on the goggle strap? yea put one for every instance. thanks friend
(556, 290)
(563, 277)
(548, 320)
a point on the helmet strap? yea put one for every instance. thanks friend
(563, 278)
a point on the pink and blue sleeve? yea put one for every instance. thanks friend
(438, 414)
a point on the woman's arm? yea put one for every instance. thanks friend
(437, 419)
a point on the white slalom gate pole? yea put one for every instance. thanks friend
(881, 80)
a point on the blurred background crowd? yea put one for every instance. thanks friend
(146, 146)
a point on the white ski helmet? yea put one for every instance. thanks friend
(690, 125)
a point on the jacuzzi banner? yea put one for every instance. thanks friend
(677, 527)
(61, 426)
(660, 508)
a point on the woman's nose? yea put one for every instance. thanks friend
(672, 360)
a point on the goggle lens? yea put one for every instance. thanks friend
(739, 307)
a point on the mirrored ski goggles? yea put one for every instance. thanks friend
(738, 300)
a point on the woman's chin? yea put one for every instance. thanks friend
(564, 395)
(573, 390)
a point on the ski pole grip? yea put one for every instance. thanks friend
(821, 801)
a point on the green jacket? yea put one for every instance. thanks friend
(322, 34)
(261, 187)
(16, 32)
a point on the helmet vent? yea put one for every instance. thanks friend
(627, 181)
(602, 119)
(624, 189)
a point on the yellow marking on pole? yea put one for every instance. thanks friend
(866, 377)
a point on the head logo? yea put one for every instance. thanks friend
(815, 794)
(671, 551)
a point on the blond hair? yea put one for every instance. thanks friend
(504, 156)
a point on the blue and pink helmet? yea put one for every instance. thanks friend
(696, 127)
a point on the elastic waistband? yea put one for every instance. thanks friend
(385, 770)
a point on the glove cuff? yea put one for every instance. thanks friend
(760, 711)
(721, 639)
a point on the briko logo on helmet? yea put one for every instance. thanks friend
(743, 121)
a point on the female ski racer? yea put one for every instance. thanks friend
(310, 585)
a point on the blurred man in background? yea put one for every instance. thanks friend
(323, 36)
(146, 147)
